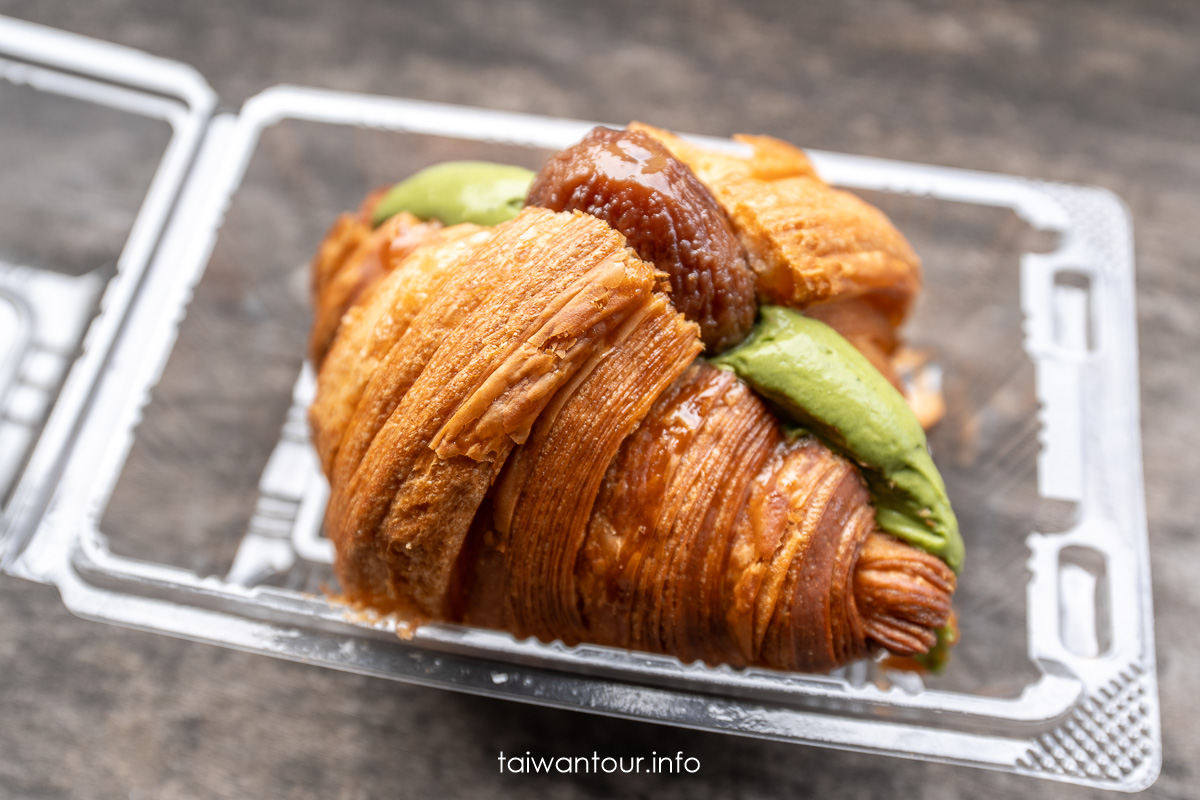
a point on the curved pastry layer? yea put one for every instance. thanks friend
(545, 494)
(512, 321)
(370, 329)
(903, 595)
(351, 260)
(653, 572)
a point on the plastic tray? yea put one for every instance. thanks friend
(186, 498)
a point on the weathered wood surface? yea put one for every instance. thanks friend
(1107, 94)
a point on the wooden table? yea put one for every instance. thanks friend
(1076, 91)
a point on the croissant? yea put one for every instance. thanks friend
(520, 431)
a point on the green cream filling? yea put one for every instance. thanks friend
(820, 381)
(459, 191)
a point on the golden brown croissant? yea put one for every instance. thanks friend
(518, 434)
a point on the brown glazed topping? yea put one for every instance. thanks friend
(632, 182)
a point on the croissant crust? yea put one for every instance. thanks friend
(518, 434)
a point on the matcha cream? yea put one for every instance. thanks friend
(459, 191)
(817, 378)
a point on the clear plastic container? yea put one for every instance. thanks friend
(192, 392)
